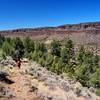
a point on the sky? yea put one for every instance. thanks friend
(40, 13)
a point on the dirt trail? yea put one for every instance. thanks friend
(21, 86)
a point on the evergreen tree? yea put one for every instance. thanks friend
(29, 45)
(81, 55)
(59, 67)
(95, 79)
(64, 55)
(6, 47)
(70, 50)
(81, 74)
(2, 39)
(37, 46)
(53, 66)
(35, 56)
(55, 48)
(18, 48)
(42, 61)
(49, 60)
(43, 48)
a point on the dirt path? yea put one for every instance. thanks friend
(21, 87)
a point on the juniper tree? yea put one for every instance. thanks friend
(6, 47)
(55, 48)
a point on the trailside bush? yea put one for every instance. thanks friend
(42, 61)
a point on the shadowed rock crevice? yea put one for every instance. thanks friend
(3, 78)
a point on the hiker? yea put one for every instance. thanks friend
(18, 63)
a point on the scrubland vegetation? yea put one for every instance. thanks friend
(81, 65)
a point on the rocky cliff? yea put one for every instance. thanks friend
(80, 33)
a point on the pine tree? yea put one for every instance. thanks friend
(55, 48)
(37, 46)
(70, 50)
(81, 74)
(6, 47)
(59, 66)
(2, 39)
(81, 55)
(28, 44)
(64, 55)
(18, 49)
(49, 60)
(53, 66)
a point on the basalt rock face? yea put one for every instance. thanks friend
(82, 26)
(80, 33)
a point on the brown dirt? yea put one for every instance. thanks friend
(21, 87)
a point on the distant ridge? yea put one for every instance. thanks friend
(88, 32)
(84, 25)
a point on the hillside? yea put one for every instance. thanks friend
(32, 82)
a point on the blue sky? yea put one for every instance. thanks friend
(39, 13)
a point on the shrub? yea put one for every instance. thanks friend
(42, 61)
(95, 79)
(3, 55)
(35, 56)
(98, 91)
